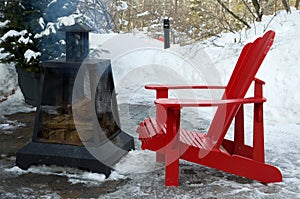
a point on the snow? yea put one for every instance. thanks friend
(25, 40)
(9, 126)
(8, 80)
(30, 54)
(50, 29)
(143, 14)
(15, 104)
(2, 24)
(138, 60)
(13, 33)
(62, 42)
(279, 70)
(68, 20)
(74, 176)
(9, 85)
(123, 6)
(132, 163)
(42, 22)
(52, 2)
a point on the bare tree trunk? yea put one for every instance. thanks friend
(107, 15)
(248, 8)
(129, 27)
(176, 7)
(258, 10)
(275, 6)
(144, 9)
(234, 15)
(297, 4)
(286, 6)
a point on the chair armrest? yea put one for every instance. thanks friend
(167, 87)
(180, 103)
(259, 81)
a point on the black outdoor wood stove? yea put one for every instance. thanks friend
(77, 122)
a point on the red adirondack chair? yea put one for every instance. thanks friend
(171, 143)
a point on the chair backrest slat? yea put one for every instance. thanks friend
(244, 73)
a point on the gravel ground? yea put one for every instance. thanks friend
(195, 181)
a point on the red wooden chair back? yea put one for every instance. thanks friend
(244, 73)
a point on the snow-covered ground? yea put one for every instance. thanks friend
(138, 60)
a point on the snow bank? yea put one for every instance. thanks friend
(280, 69)
(8, 79)
(15, 104)
(210, 62)
(10, 92)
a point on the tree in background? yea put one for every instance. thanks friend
(297, 4)
(190, 19)
(211, 17)
(230, 15)
(99, 14)
(31, 33)
(52, 42)
(17, 36)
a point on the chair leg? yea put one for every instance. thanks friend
(172, 173)
(239, 140)
(258, 134)
(258, 126)
(172, 147)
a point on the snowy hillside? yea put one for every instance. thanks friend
(280, 69)
(138, 60)
(214, 57)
